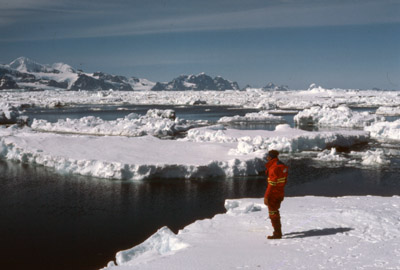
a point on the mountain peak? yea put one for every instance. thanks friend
(24, 64)
(197, 82)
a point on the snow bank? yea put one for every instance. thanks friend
(385, 130)
(318, 233)
(283, 139)
(389, 111)
(262, 116)
(341, 116)
(130, 158)
(155, 122)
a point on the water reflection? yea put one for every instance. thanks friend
(53, 221)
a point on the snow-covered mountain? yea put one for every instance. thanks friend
(197, 82)
(23, 64)
(269, 87)
(273, 87)
(25, 73)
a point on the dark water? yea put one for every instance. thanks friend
(112, 112)
(54, 221)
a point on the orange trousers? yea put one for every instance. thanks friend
(274, 203)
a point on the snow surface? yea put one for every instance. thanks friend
(287, 100)
(341, 116)
(319, 233)
(130, 158)
(385, 130)
(389, 111)
(283, 138)
(207, 152)
(262, 116)
(155, 122)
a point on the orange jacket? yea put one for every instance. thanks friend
(277, 174)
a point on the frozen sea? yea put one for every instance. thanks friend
(95, 174)
(68, 221)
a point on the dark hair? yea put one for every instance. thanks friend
(273, 153)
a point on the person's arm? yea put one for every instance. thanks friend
(271, 177)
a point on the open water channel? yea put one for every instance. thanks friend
(54, 221)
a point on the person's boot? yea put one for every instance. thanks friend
(277, 234)
(276, 224)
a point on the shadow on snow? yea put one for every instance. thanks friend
(316, 232)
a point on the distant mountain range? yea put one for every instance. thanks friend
(27, 74)
(197, 82)
(24, 73)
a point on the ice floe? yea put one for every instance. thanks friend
(330, 156)
(10, 114)
(206, 152)
(318, 233)
(155, 122)
(262, 116)
(129, 158)
(385, 130)
(389, 111)
(341, 116)
(375, 157)
(163, 243)
(283, 138)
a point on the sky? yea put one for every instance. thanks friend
(333, 43)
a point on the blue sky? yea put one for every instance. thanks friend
(347, 44)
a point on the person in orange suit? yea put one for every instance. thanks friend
(277, 173)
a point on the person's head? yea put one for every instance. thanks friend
(272, 154)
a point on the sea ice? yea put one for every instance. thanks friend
(10, 114)
(163, 243)
(284, 138)
(389, 111)
(129, 158)
(262, 116)
(341, 116)
(155, 122)
(330, 156)
(383, 131)
(372, 158)
(318, 233)
(207, 152)
(248, 99)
